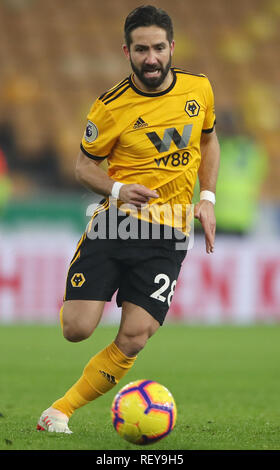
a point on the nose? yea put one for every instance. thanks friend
(151, 58)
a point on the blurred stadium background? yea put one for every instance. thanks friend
(56, 58)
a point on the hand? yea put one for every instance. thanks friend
(136, 194)
(204, 212)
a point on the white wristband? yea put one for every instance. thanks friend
(116, 189)
(208, 196)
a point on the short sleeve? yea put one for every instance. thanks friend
(100, 134)
(210, 117)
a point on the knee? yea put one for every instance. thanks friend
(131, 344)
(74, 336)
(135, 344)
(79, 319)
(75, 332)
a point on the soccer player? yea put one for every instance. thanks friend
(156, 128)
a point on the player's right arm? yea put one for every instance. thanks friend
(92, 176)
(101, 134)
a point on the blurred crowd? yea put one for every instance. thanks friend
(58, 56)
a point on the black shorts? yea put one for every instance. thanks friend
(143, 271)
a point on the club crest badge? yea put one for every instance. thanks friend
(192, 108)
(78, 280)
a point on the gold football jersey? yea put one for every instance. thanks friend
(153, 138)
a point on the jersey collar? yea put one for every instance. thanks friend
(156, 93)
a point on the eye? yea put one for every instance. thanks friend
(140, 49)
(160, 47)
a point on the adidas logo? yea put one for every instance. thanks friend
(140, 123)
(109, 377)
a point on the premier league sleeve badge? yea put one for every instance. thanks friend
(91, 132)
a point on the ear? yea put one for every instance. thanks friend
(172, 46)
(126, 51)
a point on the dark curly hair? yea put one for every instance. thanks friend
(147, 15)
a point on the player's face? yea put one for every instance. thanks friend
(150, 56)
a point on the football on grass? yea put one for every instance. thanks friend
(144, 412)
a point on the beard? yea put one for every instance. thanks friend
(151, 83)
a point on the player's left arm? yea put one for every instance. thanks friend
(208, 174)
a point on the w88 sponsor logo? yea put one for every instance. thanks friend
(174, 159)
